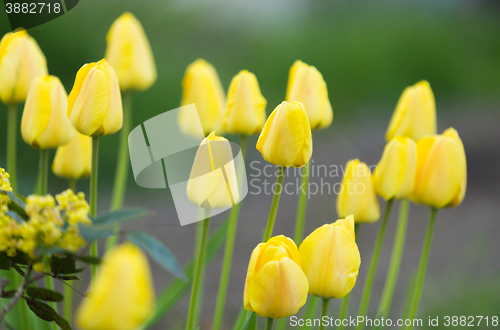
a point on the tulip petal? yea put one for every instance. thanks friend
(36, 114)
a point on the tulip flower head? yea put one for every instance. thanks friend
(130, 55)
(306, 85)
(73, 160)
(395, 173)
(21, 60)
(95, 103)
(441, 178)
(286, 137)
(212, 182)
(415, 114)
(357, 196)
(123, 294)
(275, 285)
(201, 86)
(45, 124)
(246, 107)
(330, 259)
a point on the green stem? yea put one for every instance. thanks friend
(422, 268)
(199, 300)
(395, 263)
(11, 145)
(311, 308)
(367, 289)
(325, 306)
(68, 291)
(72, 184)
(93, 199)
(43, 172)
(269, 323)
(197, 275)
(228, 252)
(240, 319)
(122, 165)
(274, 206)
(302, 207)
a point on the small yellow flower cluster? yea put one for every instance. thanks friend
(4, 185)
(49, 224)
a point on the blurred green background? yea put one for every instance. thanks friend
(368, 52)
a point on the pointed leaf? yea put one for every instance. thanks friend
(88, 259)
(121, 215)
(43, 294)
(251, 322)
(4, 262)
(94, 232)
(68, 277)
(43, 311)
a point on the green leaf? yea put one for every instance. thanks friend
(178, 288)
(17, 203)
(88, 259)
(15, 216)
(4, 261)
(121, 215)
(63, 265)
(8, 293)
(47, 313)
(68, 277)
(94, 232)
(43, 250)
(43, 294)
(251, 322)
(159, 252)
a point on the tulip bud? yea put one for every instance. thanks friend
(275, 285)
(95, 103)
(213, 165)
(21, 60)
(129, 53)
(306, 85)
(395, 173)
(73, 160)
(286, 137)
(201, 86)
(415, 114)
(441, 178)
(330, 259)
(122, 296)
(45, 123)
(357, 196)
(246, 107)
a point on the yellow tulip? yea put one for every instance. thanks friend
(129, 53)
(123, 294)
(441, 178)
(201, 86)
(306, 85)
(21, 60)
(246, 107)
(275, 285)
(395, 173)
(73, 160)
(286, 137)
(330, 259)
(45, 124)
(357, 196)
(415, 114)
(95, 103)
(213, 165)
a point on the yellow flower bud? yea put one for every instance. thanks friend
(357, 196)
(201, 86)
(395, 173)
(213, 165)
(21, 60)
(246, 107)
(129, 53)
(45, 123)
(330, 259)
(306, 85)
(441, 178)
(415, 114)
(286, 137)
(275, 285)
(73, 160)
(95, 103)
(122, 296)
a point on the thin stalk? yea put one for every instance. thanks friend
(68, 291)
(122, 164)
(228, 252)
(11, 145)
(395, 263)
(311, 308)
(325, 306)
(18, 295)
(240, 319)
(367, 289)
(422, 269)
(274, 205)
(201, 289)
(197, 275)
(302, 206)
(93, 200)
(43, 172)
(269, 323)
(72, 184)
